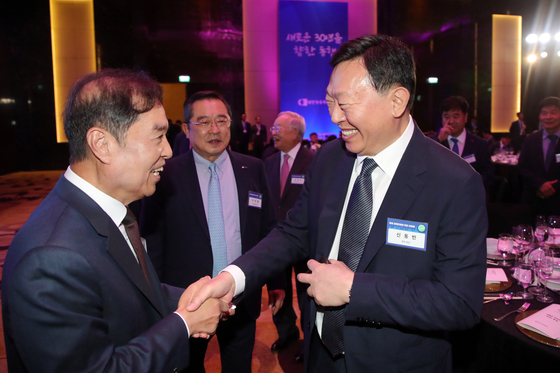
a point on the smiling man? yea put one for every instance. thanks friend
(539, 161)
(78, 293)
(211, 206)
(397, 261)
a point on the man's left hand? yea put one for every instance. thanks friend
(329, 284)
(276, 299)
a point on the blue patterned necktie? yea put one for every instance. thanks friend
(216, 223)
(550, 151)
(455, 147)
(355, 231)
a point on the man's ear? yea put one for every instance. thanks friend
(185, 128)
(100, 143)
(400, 97)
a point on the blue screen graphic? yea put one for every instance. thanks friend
(309, 33)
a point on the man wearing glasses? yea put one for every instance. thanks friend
(212, 205)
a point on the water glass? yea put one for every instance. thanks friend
(545, 271)
(554, 231)
(525, 275)
(505, 247)
(541, 234)
(541, 220)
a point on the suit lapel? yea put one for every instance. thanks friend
(274, 176)
(242, 177)
(403, 190)
(334, 201)
(188, 179)
(117, 246)
(469, 146)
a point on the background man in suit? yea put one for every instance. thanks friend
(78, 295)
(245, 135)
(453, 135)
(260, 138)
(286, 171)
(194, 230)
(402, 224)
(539, 161)
(518, 130)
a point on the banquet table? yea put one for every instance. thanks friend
(500, 346)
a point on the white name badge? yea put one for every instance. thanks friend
(298, 179)
(557, 158)
(470, 158)
(255, 199)
(409, 234)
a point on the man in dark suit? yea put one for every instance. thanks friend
(470, 147)
(406, 222)
(245, 135)
(286, 171)
(78, 294)
(518, 131)
(259, 138)
(539, 161)
(185, 240)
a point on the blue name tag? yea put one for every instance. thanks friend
(405, 233)
(255, 199)
(470, 158)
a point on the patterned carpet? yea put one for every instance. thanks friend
(22, 192)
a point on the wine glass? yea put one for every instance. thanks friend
(522, 240)
(505, 246)
(535, 257)
(525, 275)
(545, 271)
(554, 231)
(541, 234)
(541, 220)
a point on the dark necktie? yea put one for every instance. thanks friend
(550, 152)
(131, 228)
(355, 231)
(455, 147)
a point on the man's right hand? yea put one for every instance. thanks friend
(204, 320)
(221, 287)
(444, 133)
(547, 190)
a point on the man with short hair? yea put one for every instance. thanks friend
(212, 205)
(453, 136)
(314, 140)
(518, 131)
(539, 161)
(394, 226)
(79, 294)
(286, 171)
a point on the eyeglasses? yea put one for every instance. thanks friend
(206, 123)
(278, 128)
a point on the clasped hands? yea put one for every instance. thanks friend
(329, 285)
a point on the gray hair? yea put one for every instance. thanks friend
(297, 122)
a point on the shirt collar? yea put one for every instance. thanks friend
(389, 158)
(112, 207)
(292, 153)
(198, 159)
(545, 134)
(462, 137)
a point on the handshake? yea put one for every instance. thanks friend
(208, 309)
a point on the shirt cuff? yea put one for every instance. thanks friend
(238, 277)
(185, 322)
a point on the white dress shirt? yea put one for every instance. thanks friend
(292, 153)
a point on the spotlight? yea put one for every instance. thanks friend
(544, 38)
(558, 53)
(557, 36)
(544, 54)
(532, 58)
(532, 38)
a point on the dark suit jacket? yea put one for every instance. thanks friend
(532, 170)
(291, 191)
(403, 300)
(74, 298)
(174, 223)
(516, 137)
(478, 147)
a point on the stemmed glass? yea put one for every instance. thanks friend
(541, 234)
(525, 275)
(546, 267)
(523, 238)
(554, 231)
(505, 246)
(541, 220)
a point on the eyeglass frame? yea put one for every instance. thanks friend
(276, 128)
(213, 121)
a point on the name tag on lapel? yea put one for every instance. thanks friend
(255, 199)
(557, 159)
(405, 233)
(298, 179)
(470, 158)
